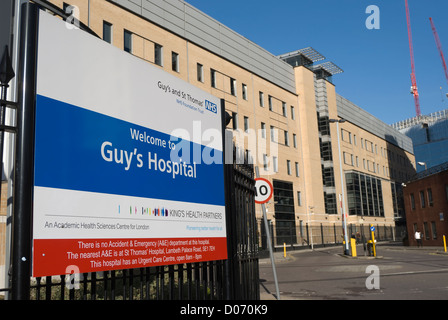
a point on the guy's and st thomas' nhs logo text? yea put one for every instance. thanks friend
(210, 106)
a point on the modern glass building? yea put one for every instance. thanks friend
(429, 134)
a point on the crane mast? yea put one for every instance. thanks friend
(414, 89)
(439, 47)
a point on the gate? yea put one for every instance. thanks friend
(236, 278)
(233, 278)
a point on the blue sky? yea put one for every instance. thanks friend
(376, 63)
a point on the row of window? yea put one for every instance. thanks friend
(157, 59)
(364, 195)
(427, 234)
(373, 167)
(275, 165)
(373, 148)
(273, 131)
(425, 199)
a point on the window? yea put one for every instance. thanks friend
(297, 169)
(294, 140)
(175, 61)
(213, 78)
(299, 198)
(364, 194)
(261, 98)
(422, 199)
(284, 109)
(293, 116)
(288, 166)
(348, 158)
(263, 130)
(265, 162)
(272, 133)
(107, 31)
(270, 103)
(284, 206)
(426, 230)
(127, 41)
(158, 54)
(246, 124)
(275, 163)
(232, 87)
(434, 230)
(412, 201)
(235, 120)
(244, 89)
(200, 72)
(286, 138)
(325, 150)
(430, 201)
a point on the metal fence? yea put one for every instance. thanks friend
(195, 281)
(305, 236)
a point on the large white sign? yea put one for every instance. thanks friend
(128, 160)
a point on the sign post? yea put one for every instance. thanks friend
(263, 193)
(372, 234)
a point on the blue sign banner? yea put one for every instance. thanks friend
(79, 149)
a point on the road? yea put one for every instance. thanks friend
(398, 273)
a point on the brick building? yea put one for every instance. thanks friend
(426, 205)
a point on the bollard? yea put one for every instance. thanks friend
(353, 245)
(444, 243)
(284, 249)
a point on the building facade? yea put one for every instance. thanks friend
(429, 134)
(426, 205)
(284, 111)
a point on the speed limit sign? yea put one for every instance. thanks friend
(263, 190)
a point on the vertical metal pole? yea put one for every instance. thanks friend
(23, 198)
(229, 292)
(344, 216)
(271, 253)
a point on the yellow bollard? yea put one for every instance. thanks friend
(284, 249)
(353, 244)
(444, 243)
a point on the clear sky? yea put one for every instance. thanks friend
(376, 62)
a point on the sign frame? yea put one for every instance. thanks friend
(163, 229)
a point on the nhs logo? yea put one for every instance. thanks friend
(210, 106)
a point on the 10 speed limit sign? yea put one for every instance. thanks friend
(263, 190)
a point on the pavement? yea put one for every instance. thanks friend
(282, 260)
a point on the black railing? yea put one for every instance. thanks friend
(194, 281)
(305, 236)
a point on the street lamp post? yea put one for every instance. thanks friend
(344, 216)
(310, 212)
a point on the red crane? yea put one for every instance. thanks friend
(414, 89)
(439, 46)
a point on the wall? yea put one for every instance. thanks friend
(436, 213)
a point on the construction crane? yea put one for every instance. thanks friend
(414, 89)
(439, 47)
